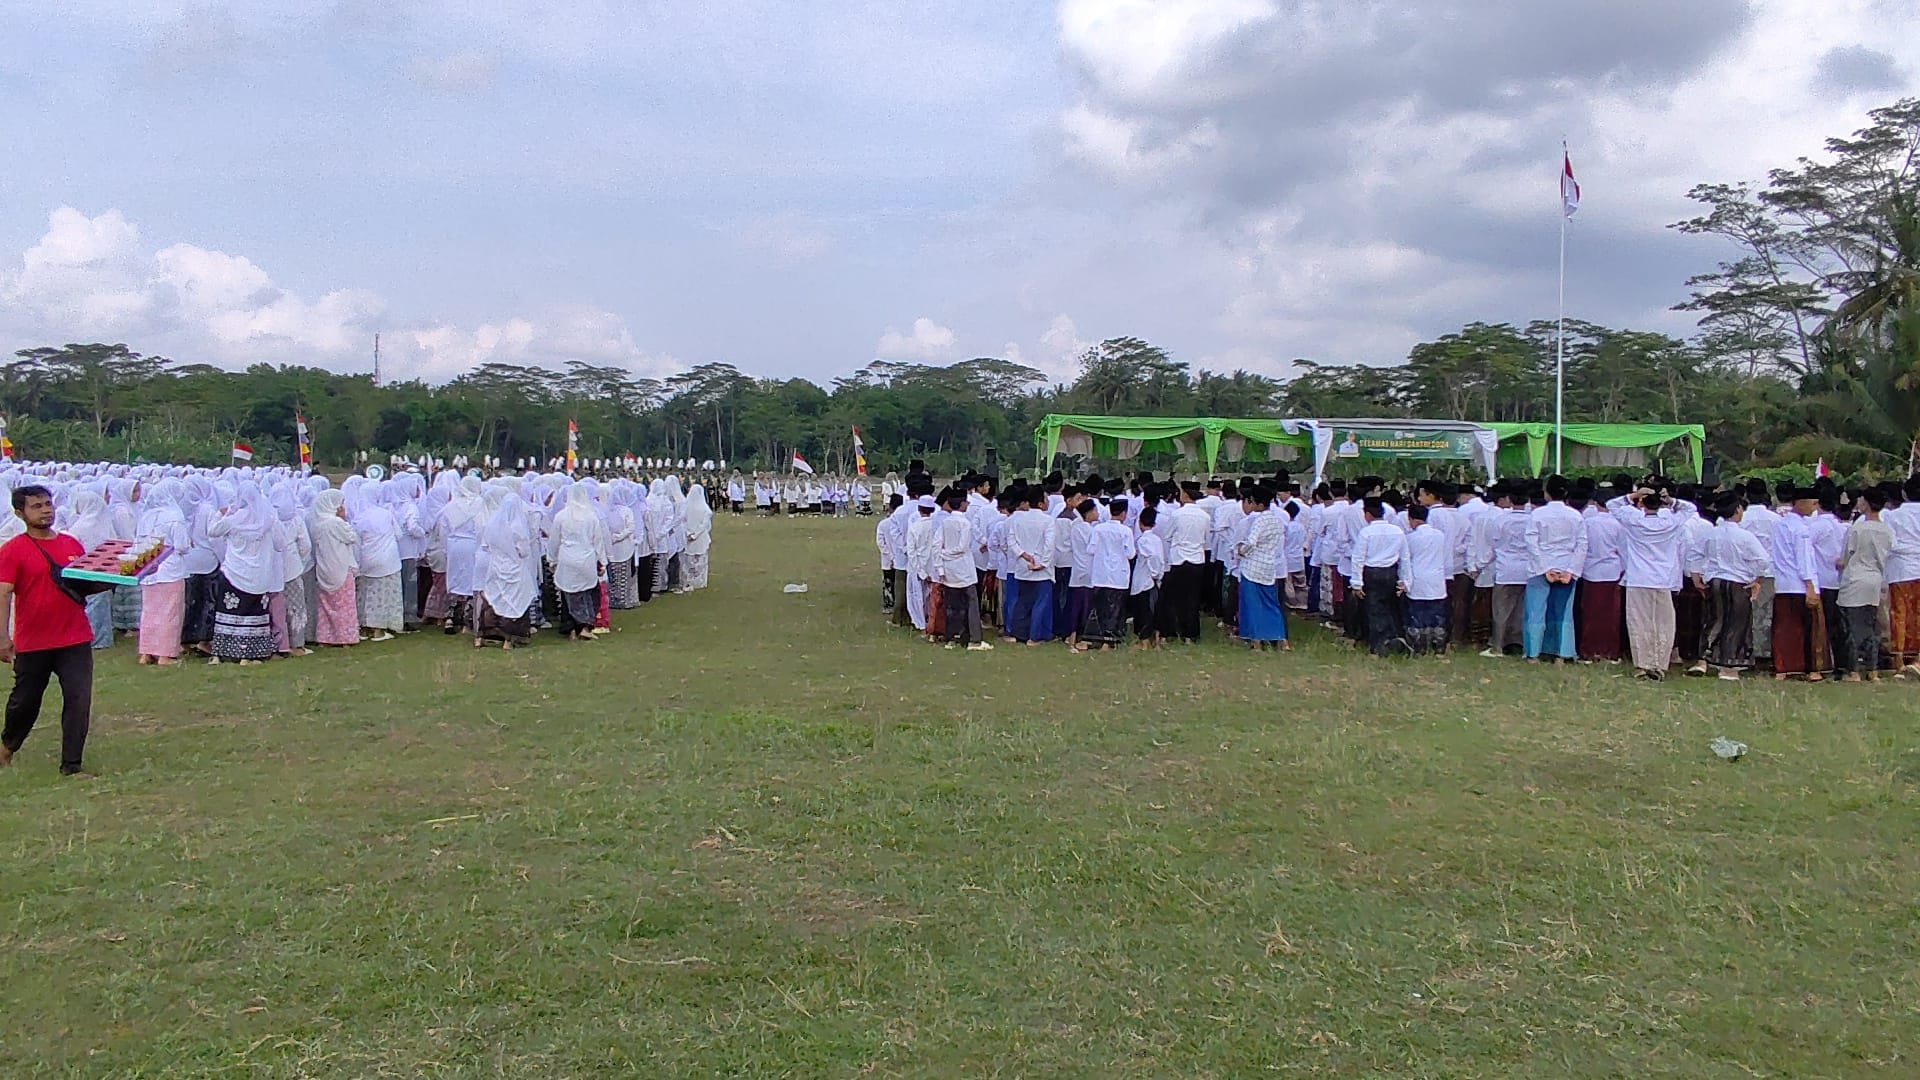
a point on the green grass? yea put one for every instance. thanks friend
(755, 834)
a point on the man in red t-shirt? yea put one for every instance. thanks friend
(51, 636)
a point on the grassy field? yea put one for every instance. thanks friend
(755, 834)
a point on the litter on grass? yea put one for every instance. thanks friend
(1728, 750)
(792, 588)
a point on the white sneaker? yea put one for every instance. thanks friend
(1493, 654)
(979, 646)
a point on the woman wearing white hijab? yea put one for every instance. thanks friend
(92, 525)
(577, 547)
(163, 592)
(459, 527)
(292, 617)
(659, 533)
(434, 609)
(510, 581)
(376, 587)
(699, 540)
(337, 619)
(250, 569)
(401, 496)
(621, 593)
(123, 508)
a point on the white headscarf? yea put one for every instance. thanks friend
(506, 545)
(334, 541)
(699, 521)
(577, 543)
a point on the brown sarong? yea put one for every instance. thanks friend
(1799, 636)
(1599, 618)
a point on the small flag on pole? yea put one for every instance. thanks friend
(306, 444)
(859, 454)
(1569, 187)
(6, 444)
(242, 451)
(573, 446)
(1820, 469)
(800, 464)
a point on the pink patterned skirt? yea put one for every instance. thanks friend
(162, 607)
(338, 621)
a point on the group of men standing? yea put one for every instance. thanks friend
(1800, 581)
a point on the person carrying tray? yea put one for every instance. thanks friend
(51, 637)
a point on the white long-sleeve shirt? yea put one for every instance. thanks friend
(1428, 563)
(1110, 549)
(1603, 549)
(920, 546)
(1380, 545)
(1149, 562)
(1649, 545)
(956, 568)
(1829, 543)
(1556, 540)
(1187, 529)
(1030, 532)
(1792, 551)
(1903, 562)
(1732, 553)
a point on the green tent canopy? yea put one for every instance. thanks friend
(1598, 439)
(1122, 438)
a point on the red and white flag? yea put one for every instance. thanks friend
(1569, 187)
(242, 451)
(800, 464)
(1820, 469)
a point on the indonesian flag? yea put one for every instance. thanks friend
(859, 454)
(800, 464)
(573, 446)
(241, 451)
(1820, 469)
(306, 444)
(1569, 187)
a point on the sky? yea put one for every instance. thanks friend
(798, 189)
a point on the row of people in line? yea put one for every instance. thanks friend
(772, 495)
(1716, 579)
(261, 563)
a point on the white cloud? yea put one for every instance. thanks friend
(90, 278)
(547, 339)
(1060, 348)
(927, 342)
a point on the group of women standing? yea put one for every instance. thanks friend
(264, 563)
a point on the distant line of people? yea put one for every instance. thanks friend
(774, 495)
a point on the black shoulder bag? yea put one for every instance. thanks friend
(76, 589)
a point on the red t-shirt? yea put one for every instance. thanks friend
(43, 616)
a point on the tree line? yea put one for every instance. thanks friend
(1808, 347)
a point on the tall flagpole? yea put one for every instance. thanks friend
(1560, 350)
(1560, 333)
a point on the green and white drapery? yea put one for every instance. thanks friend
(1622, 445)
(1212, 439)
(1208, 439)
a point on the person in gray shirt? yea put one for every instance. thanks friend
(1863, 582)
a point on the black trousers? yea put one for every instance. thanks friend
(1210, 581)
(1179, 613)
(643, 577)
(963, 614)
(1104, 625)
(73, 666)
(1386, 629)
